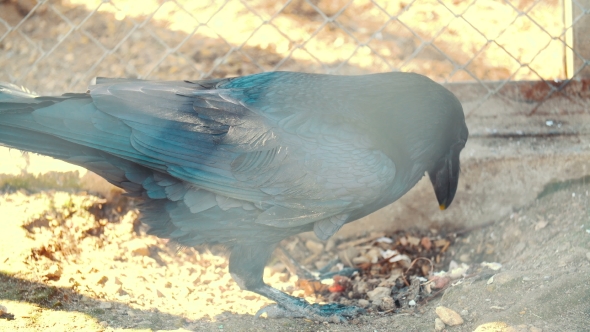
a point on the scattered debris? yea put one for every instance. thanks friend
(4, 314)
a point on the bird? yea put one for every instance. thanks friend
(245, 162)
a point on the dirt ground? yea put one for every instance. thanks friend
(75, 261)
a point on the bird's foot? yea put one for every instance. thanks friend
(299, 308)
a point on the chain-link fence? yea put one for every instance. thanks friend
(60, 45)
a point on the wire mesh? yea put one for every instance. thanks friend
(54, 46)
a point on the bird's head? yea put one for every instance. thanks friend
(444, 172)
(420, 125)
(444, 175)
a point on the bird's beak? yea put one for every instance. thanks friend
(444, 178)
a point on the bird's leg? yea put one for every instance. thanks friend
(293, 266)
(302, 272)
(246, 265)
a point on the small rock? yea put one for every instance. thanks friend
(3, 310)
(361, 287)
(492, 266)
(363, 303)
(492, 327)
(457, 271)
(347, 255)
(412, 303)
(104, 323)
(439, 282)
(373, 255)
(314, 247)
(378, 293)
(105, 305)
(540, 225)
(490, 281)
(384, 239)
(464, 312)
(403, 241)
(413, 241)
(439, 325)
(387, 303)
(588, 255)
(448, 316)
(465, 258)
(504, 277)
(426, 243)
(390, 282)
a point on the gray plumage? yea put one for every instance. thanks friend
(248, 161)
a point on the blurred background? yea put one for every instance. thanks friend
(56, 46)
(520, 68)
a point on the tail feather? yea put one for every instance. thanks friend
(10, 91)
(20, 129)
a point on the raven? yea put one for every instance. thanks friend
(248, 161)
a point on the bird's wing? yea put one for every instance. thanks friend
(288, 161)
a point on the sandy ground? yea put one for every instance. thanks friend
(78, 261)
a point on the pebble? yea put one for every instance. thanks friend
(105, 305)
(448, 316)
(361, 287)
(314, 247)
(439, 325)
(363, 303)
(492, 327)
(504, 277)
(378, 293)
(387, 303)
(465, 258)
(347, 255)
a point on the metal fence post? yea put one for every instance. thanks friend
(581, 38)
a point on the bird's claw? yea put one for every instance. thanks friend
(333, 312)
